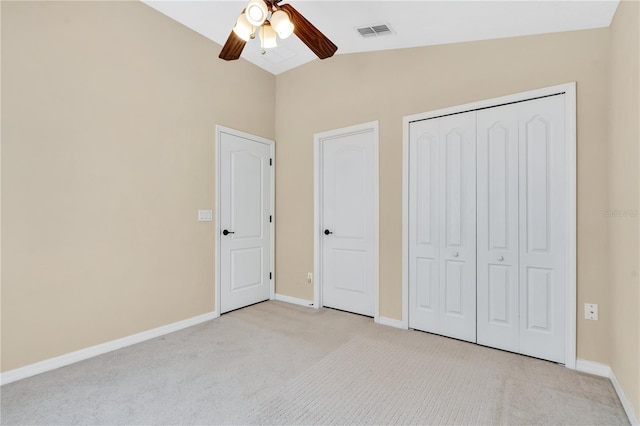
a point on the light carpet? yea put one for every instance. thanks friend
(275, 363)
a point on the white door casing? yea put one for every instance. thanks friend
(244, 229)
(346, 228)
(443, 236)
(497, 209)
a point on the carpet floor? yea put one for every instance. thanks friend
(275, 363)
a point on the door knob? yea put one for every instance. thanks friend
(327, 232)
(225, 232)
(500, 258)
(456, 254)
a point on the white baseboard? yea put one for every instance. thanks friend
(591, 367)
(294, 300)
(623, 400)
(604, 370)
(102, 348)
(390, 322)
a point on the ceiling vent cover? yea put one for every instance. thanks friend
(375, 30)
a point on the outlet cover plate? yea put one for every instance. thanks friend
(591, 311)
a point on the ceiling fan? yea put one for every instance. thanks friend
(272, 20)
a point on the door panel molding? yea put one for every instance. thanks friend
(569, 204)
(319, 139)
(220, 130)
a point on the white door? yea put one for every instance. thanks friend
(542, 227)
(348, 211)
(244, 215)
(442, 226)
(511, 249)
(498, 272)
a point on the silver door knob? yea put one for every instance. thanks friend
(456, 254)
(500, 258)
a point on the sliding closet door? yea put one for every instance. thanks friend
(497, 175)
(442, 252)
(542, 195)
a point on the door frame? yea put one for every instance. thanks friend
(318, 139)
(219, 131)
(569, 90)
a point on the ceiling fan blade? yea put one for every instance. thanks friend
(310, 35)
(232, 49)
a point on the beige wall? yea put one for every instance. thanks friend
(385, 86)
(624, 232)
(109, 114)
(109, 111)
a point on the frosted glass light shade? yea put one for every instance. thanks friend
(286, 31)
(281, 23)
(243, 28)
(256, 12)
(268, 36)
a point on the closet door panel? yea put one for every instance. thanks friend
(457, 223)
(497, 213)
(424, 238)
(542, 228)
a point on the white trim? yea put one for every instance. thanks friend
(570, 208)
(604, 370)
(405, 222)
(238, 133)
(272, 224)
(628, 408)
(570, 226)
(102, 348)
(592, 367)
(317, 203)
(390, 322)
(294, 300)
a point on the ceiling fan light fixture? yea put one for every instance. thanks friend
(268, 37)
(281, 23)
(256, 12)
(243, 28)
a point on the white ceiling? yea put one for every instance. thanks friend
(415, 23)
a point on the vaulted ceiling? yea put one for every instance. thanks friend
(412, 23)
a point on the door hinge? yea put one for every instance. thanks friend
(271, 161)
(270, 218)
(270, 275)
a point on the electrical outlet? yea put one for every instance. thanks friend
(309, 277)
(591, 311)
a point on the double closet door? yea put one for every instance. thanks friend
(486, 226)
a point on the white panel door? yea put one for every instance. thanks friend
(424, 219)
(442, 253)
(348, 221)
(497, 209)
(542, 153)
(458, 226)
(245, 234)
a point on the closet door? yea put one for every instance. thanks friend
(424, 235)
(442, 217)
(497, 209)
(542, 195)
(458, 226)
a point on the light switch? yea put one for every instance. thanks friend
(205, 215)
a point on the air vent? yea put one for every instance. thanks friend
(375, 30)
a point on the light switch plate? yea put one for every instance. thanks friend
(205, 215)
